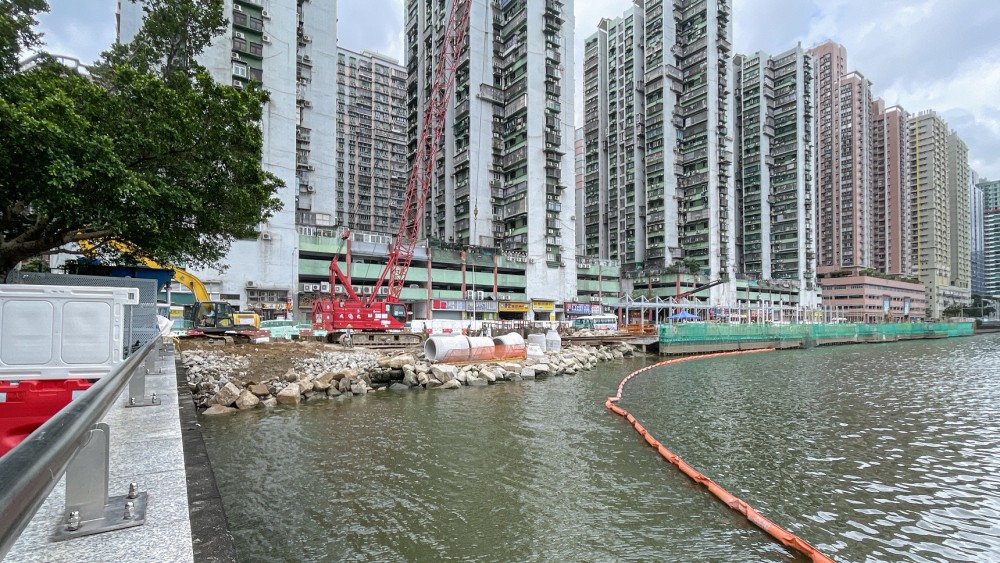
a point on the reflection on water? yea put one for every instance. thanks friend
(874, 452)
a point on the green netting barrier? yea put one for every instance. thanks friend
(703, 333)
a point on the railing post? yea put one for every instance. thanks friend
(89, 510)
(137, 385)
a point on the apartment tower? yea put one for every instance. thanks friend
(991, 237)
(290, 48)
(976, 215)
(507, 162)
(937, 159)
(892, 198)
(844, 163)
(775, 182)
(659, 176)
(371, 140)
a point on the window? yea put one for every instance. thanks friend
(240, 69)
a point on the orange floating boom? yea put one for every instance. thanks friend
(786, 538)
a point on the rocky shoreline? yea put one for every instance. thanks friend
(223, 382)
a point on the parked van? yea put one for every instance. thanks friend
(597, 323)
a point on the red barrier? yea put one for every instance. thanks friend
(785, 537)
(28, 404)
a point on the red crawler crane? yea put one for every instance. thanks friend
(371, 317)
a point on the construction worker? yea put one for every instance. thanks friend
(348, 341)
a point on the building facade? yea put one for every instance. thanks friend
(892, 198)
(859, 298)
(290, 48)
(659, 171)
(934, 151)
(507, 158)
(991, 236)
(372, 170)
(775, 182)
(976, 215)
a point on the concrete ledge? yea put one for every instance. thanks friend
(210, 533)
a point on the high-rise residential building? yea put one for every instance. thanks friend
(844, 163)
(774, 155)
(579, 165)
(976, 214)
(507, 158)
(991, 237)
(991, 193)
(659, 175)
(960, 209)
(892, 198)
(371, 140)
(937, 159)
(290, 48)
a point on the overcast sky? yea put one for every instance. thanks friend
(922, 54)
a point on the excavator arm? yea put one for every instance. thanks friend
(184, 277)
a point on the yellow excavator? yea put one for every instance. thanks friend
(207, 317)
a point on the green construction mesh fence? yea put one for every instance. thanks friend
(700, 333)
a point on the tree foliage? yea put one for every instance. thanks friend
(149, 149)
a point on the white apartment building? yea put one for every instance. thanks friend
(659, 171)
(506, 169)
(775, 145)
(291, 49)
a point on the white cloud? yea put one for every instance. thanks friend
(922, 54)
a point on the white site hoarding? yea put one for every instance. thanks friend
(62, 332)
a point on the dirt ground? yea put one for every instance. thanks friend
(278, 357)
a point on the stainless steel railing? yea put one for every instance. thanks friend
(30, 471)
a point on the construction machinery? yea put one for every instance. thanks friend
(208, 319)
(379, 318)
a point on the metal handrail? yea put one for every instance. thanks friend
(30, 471)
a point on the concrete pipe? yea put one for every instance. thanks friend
(447, 348)
(481, 349)
(509, 346)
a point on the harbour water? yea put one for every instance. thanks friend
(881, 452)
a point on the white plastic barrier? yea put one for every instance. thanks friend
(537, 340)
(553, 342)
(509, 346)
(62, 332)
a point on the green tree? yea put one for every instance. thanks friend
(149, 149)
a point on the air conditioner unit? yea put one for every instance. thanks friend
(266, 38)
(307, 38)
(469, 294)
(251, 283)
(308, 287)
(237, 8)
(480, 295)
(324, 287)
(505, 297)
(310, 168)
(237, 57)
(265, 236)
(339, 289)
(240, 35)
(366, 290)
(310, 189)
(383, 290)
(654, 280)
(307, 103)
(306, 58)
(265, 14)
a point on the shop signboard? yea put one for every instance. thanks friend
(577, 308)
(481, 306)
(543, 306)
(448, 304)
(513, 307)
